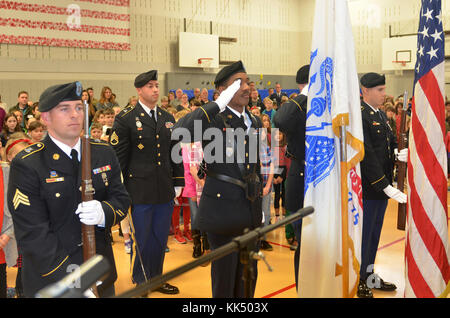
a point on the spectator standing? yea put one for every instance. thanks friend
(86, 97)
(268, 103)
(267, 170)
(22, 107)
(94, 101)
(107, 99)
(36, 131)
(10, 126)
(184, 103)
(277, 95)
(196, 94)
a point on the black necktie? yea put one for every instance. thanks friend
(152, 112)
(383, 121)
(75, 162)
(243, 123)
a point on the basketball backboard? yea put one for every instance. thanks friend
(198, 50)
(399, 53)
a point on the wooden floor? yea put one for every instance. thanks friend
(277, 284)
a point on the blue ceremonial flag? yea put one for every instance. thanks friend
(331, 237)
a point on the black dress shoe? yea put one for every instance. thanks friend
(363, 290)
(266, 246)
(385, 286)
(168, 289)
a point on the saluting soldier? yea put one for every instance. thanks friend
(291, 120)
(226, 209)
(44, 195)
(380, 148)
(141, 137)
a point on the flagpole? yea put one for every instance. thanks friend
(344, 209)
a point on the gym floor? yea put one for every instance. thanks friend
(277, 284)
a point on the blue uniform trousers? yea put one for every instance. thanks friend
(226, 272)
(150, 230)
(297, 225)
(374, 211)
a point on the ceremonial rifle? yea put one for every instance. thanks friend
(87, 191)
(401, 166)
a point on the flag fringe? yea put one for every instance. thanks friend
(446, 291)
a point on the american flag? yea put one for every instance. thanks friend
(95, 24)
(427, 247)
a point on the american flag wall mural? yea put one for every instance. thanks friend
(95, 24)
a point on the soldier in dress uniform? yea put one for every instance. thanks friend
(141, 137)
(44, 195)
(291, 120)
(380, 148)
(225, 208)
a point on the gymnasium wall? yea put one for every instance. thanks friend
(273, 40)
(371, 20)
(267, 33)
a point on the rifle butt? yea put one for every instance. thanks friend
(401, 216)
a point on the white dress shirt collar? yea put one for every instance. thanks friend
(247, 120)
(305, 90)
(374, 109)
(147, 110)
(66, 149)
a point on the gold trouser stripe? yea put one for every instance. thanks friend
(133, 259)
(56, 267)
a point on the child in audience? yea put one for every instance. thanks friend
(109, 116)
(267, 177)
(117, 109)
(35, 131)
(199, 238)
(8, 246)
(10, 126)
(96, 131)
(268, 103)
(99, 117)
(281, 174)
(182, 203)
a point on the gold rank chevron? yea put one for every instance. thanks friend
(19, 198)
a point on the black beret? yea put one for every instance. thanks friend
(56, 94)
(144, 78)
(370, 80)
(302, 75)
(228, 71)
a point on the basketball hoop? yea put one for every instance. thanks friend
(399, 66)
(205, 63)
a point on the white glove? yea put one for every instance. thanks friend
(395, 194)
(88, 293)
(225, 97)
(91, 213)
(402, 155)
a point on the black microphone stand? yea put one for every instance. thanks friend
(244, 244)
